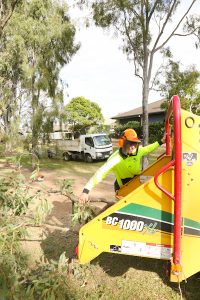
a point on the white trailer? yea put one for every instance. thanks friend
(86, 147)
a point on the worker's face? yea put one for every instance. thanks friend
(130, 147)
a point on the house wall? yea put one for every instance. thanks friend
(153, 118)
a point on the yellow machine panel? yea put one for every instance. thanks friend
(143, 217)
(141, 223)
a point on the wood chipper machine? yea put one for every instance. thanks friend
(159, 218)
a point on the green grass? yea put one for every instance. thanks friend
(58, 163)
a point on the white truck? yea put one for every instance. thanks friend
(87, 147)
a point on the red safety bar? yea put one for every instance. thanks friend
(165, 168)
(174, 109)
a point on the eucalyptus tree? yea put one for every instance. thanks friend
(184, 83)
(7, 61)
(145, 27)
(10, 76)
(45, 38)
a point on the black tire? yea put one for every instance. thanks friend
(49, 154)
(66, 156)
(88, 158)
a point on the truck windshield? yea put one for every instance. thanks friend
(101, 140)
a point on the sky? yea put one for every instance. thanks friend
(101, 72)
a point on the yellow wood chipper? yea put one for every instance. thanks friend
(159, 218)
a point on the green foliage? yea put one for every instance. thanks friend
(41, 211)
(82, 213)
(12, 231)
(131, 124)
(156, 130)
(99, 129)
(82, 113)
(185, 84)
(7, 8)
(12, 271)
(50, 281)
(66, 186)
(14, 194)
(34, 175)
(38, 42)
(14, 200)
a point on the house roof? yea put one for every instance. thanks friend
(153, 108)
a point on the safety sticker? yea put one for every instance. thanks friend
(146, 249)
(115, 248)
(189, 158)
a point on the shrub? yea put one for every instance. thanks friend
(156, 130)
(132, 124)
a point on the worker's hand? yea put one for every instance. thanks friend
(84, 198)
(117, 196)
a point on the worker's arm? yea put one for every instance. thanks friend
(150, 148)
(100, 174)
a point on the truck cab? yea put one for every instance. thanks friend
(96, 147)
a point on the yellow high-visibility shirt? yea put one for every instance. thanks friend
(122, 167)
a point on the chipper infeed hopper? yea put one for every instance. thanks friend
(159, 218)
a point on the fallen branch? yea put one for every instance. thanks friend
(74, 198)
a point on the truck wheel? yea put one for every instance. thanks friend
(49, 154)
(66, 156)
(88, 158)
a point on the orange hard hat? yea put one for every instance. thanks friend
(129, 135)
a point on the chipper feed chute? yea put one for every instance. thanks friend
(159, 218)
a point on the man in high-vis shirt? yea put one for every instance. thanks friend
(125, 163)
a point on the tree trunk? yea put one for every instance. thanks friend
(34, 140)
(145, 119)
(34, 150)
(10, 132)
(8, 146)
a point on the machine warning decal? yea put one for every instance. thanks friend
(189, 158)
(115, 248)
(146, 249)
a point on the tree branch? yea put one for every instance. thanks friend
(173, 32)
(135, 67)
(5, 21)
(154, 49)
(158, 72)
(74, 199)
(186, 34)
(132, 45)
(163, 27)
(152, 11)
